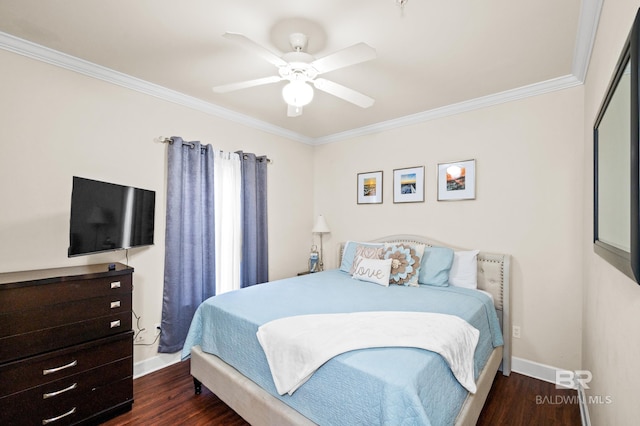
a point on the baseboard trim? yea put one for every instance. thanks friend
(535, 370)
(584, 407)
(155, 363)
(547, 373)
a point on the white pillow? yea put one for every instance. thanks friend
(464, 271)
(373, 270)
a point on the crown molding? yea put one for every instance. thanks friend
(536, 89)
(585, 38)
(60, 59)
(587, 27)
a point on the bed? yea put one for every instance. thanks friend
(383, 385)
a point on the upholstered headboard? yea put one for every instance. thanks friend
(493, 277)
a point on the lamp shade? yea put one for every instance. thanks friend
(321, 226)
(297, 93)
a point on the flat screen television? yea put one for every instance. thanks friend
(106, 216)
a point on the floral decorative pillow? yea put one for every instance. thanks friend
(405, 263)
(366, 252)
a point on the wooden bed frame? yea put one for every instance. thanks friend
(258, 407)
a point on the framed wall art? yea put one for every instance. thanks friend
(370, 188)
(457, 181)
(408, 185)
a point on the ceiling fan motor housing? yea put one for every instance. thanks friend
(298, 41)
(298, 66)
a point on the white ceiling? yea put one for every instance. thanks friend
(431, 54)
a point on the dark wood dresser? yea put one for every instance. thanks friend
(66, 345)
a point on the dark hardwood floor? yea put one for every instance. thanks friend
(521, 400)
(166, 397)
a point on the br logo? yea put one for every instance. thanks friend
(573, 379)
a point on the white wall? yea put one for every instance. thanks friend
(55, 123)
(611, 314)
(529, 161)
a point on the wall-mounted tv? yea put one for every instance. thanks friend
(106, 216)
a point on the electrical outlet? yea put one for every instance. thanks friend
(516, 331)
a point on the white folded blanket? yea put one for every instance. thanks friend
(297, 346)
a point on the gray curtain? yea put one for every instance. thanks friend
(189, 267)
(255, 249)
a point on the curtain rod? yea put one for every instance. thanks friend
(163, 139)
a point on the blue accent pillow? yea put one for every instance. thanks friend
(349, 254)
(435, 267)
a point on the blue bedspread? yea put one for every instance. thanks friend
(399, 386)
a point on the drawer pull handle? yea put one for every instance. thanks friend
(52, 394)
(115, 323)
(115, 284)
(54, 419)
(55, 370)
(115, 304)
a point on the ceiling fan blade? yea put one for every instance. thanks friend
(355, 54)
(343, 92)
(293, 111)
(251, 45)
(245, 84)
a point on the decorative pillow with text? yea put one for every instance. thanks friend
(366, 252)
(373, 270)
(349, 254)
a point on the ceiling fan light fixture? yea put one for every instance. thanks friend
(297, 93)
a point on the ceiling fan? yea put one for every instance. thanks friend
(301, 69)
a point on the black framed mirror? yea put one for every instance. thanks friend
(616, 178)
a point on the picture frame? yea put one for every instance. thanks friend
(457, 180)
(369, 188)
(408, 185)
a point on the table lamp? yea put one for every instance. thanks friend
(321, 227)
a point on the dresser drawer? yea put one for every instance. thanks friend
(38, 370)
(70, 399)
(47, 339)
(48, 316)
(38, 295)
